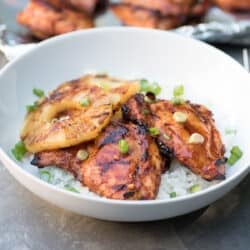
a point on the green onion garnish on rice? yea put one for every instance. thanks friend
(45, 175)
(195, 188)
(19, 150)
(172, 195)
(71, 189)
(229, 131)
(235, 155)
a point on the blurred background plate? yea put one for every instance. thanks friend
(218, 26)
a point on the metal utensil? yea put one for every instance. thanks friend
(245, 59)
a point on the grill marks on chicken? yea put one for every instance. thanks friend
(207, 158)
(45, 21)
(135, 175)
(109, 173)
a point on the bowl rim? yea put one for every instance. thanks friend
(7, 160)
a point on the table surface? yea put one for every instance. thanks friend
(27, 222)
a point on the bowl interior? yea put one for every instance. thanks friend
(209, 77)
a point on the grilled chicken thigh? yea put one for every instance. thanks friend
(204, 157)
(134, 174)
(162, 14)
(45, 21)
(165, 7)
(63, 158)
(140, 17)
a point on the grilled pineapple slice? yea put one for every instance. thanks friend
(72, 114)
(75, 112)
(119, 91)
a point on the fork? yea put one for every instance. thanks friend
(245, 59)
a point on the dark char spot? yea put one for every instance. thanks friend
(125, 112)
(165, 150)
(128, 195)
(114, 136)
(119, 187)
(221, 161)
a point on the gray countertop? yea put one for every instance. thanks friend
(27, 222)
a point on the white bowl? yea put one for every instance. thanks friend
(210, 77)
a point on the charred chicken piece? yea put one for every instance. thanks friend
(63, 158)
(233, 5)
(164, 7)
(45, 21)
(87, 6)
(161, 14)
(140, 17)
(204, 156)
(133, 175)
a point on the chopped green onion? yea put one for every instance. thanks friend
(178, 95)
(154, 131)
(146, 111)
(105, 86)
(45, 175)
(236, 154)
(178, 100)
(195, 188)
(19, 150)
(196, 138)
(172, 195)
(146, 86)
(123, 146)
(178, 91)
(165, 136)
(38, 92)
(155, 88)
(236, 151)
(33, 107)
(180, 117)
(71, 189)
(229, 131)
(85, 102)
(82, 155)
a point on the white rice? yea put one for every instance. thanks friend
(177, 180)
